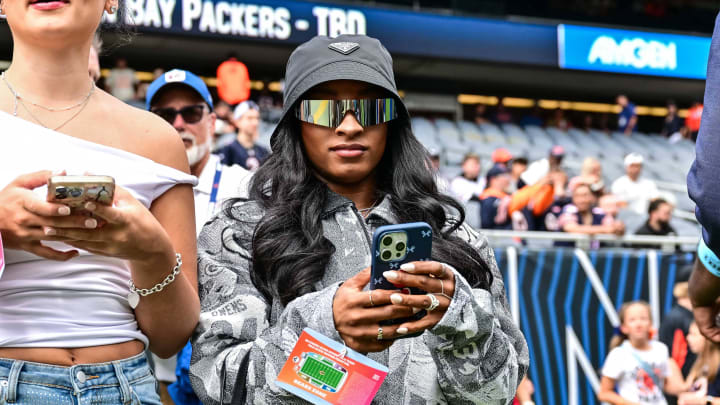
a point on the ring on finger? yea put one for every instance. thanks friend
(380, 334)
(443, 265)
(372, 304)
(434, 302)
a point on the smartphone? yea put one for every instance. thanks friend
(392, 246)
(75, 191)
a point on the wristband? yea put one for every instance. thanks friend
(708, 258)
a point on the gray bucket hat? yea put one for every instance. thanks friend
(346, 57)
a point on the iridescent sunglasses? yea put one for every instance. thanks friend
(330, 113)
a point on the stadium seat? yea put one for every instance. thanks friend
(449, 136)
(470, 132)
(492, 133)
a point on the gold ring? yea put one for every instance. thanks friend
(442, 287)
(372, 304)
(379, 335)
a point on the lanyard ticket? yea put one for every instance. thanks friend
(325, 372)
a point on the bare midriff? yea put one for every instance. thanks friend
(74, 356)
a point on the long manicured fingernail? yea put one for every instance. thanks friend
(396, 298)
(402, 331)
(91, 223)
(50, 231)
(57, 172)
(391, 275)
(409, 267)
(64, 210)
(90, 206)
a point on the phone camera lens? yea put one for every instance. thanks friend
(386, 255)
(61, 193)
(400, 246)
(387, 241)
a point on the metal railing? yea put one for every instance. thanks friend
(582, 241)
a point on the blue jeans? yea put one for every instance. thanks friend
(122, 382)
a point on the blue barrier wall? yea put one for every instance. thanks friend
(556, 297)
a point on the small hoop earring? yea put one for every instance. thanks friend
(113, 9)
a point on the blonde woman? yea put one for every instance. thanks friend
(74, 328)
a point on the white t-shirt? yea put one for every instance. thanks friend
(633, 383)
(536, 171)
(234, 182)
(636, 193)
(463, 189)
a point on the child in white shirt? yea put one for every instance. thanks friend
(637, 366)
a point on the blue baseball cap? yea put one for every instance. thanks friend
(178, 76)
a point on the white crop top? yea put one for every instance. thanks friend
(81, 302)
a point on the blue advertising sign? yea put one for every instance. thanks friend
(633, 52)
(402, 32)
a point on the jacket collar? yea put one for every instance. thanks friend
(382, 211)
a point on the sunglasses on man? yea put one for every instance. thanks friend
(191, 114)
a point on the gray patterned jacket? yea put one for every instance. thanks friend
(474, 355)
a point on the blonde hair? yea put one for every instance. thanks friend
(681, 290)
(708, 360)
(620, 337)
(588, 165)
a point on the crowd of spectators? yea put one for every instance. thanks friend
(542, 196)
(514, 193)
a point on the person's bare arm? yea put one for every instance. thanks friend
(607, 393)
(674, 383)
(149, 240)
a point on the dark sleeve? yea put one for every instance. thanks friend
(667, 330)
(703, 182)
(224, 154)
(714, 386)
(488, 210)
(643, 230)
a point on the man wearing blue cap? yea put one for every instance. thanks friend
(183, 100)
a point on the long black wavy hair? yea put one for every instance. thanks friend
(290, 252)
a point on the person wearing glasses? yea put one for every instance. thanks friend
(184, 101)
(244, 150)
(295, 254)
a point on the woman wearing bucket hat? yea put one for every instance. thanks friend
(296, 254)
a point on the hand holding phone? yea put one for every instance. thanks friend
(75, 191)
(23, 214)
(393, 246)
(402, 260)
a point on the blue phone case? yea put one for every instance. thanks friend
(419, 248)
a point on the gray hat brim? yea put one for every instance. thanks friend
(340, 70)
